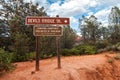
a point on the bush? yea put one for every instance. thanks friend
(69, 52)
(32, 55)
(86, 49)
(102, 44)
(118, 46)
(25, 57)
(90, 49)
(79, 50)
(5, 61)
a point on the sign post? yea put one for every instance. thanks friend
(54, 30)
(58, 51)
(37, 52)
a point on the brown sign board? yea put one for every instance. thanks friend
(47, 31)
(33, 20)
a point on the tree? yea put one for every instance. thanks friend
(104, 33)
(13, 13)
(68, 38)
(4, 35)
(90, 29)
(114, 24)
(4, 29)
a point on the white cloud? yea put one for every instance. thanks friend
(71, 7)
(74, 20)
(103, 15)
(109, 2)
(34, 1)
(79, 34)
(93, 3)
(68, 9)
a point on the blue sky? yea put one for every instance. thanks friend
(74, 9)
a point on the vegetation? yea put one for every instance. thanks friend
(80, 50)
(94, 32)
(90, 29)
(5, 61)
(68, 38)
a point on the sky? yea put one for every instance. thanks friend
(74, 9)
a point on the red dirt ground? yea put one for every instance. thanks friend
(90, 67)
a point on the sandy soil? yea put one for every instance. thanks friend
(73, 68)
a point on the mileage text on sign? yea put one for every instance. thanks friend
(48, 31)
(46, 20)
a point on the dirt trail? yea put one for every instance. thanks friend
(73, 68)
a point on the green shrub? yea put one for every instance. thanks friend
(118, 44)
(90, 49)
(25, 57)
(79, 50)
(102, 44)
(86, 49)
(46, 55)
(19, 58)
(65, 52)
(74, 51)
(69, 52)
(5, 61)
(32, 55)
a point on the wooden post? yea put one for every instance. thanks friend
(58, 49)
(37, 52)
(58, 52)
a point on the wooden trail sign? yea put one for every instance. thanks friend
(47, 26)
(33, 20)
(47, 31)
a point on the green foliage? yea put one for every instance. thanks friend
(69, 52)
(14, 16)
(86, 49)
(68, 38)
(118, 44)
(5, 61)
(79, 50)
(32, 55)
(90, 49)
(4, 29)
(20, 47)
(114, 26)
(102, 44)
(25, 57)
(47, 46)
(90, 29)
